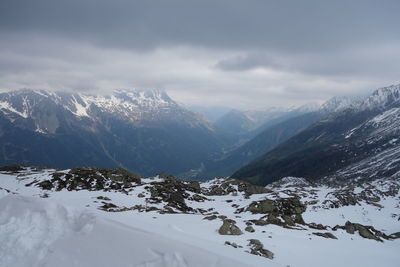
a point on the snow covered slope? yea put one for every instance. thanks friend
(94, 217)
(348, 139)
(129, 105)
(36, 232)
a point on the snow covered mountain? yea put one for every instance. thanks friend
(144, 131)
(101, 217)
(358, 141)
(132, 105)
(274, 132)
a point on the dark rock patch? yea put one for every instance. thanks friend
(284, 212)
(232, 244)
(88, 178)
(257, 248)
(364, 231)
(229, 228)
(210, 218)
(326, 235)
(249, 229)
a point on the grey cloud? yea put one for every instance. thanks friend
(383, 62)
(279, 25)
(237, 53)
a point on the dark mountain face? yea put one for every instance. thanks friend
(336, 146)
(143, 131)
(263, 142)
(272, 133)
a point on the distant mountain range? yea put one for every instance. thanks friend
(281, 126)
(147, 132)
(360, 141)
(143, 131)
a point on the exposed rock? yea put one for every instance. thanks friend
(341, 198)
(210, 218)
(395, 235)
(259, 222)
(193, 186)
(364, 231)
(171, 191)
(317, 226)
(257, 248)
(198, 198)
(350, 227)
(46, 185)
(103, 198)
(229, 228)
(285, 212)
(88, 178)
(283, 206)
(232, 244)
(12, 168)
(326, 235)
(250, 229)
(312, 202)
(108, 206)
(263, 207)
(234, 186)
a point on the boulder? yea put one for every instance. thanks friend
(250, 229)
(326, 235)
(364, 231)
(210, 218)
(395, 235)
(257, 248)
(263, 207)
(229, 228)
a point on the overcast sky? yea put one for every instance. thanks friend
(242, 54)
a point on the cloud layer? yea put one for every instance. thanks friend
(244, 54)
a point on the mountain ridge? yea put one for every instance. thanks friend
(144, 131)
(342, 139)
(276, 131)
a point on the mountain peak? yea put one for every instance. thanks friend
(129, 104)
(382, 98)
(136, 95)
(308, 107)
(337, 103)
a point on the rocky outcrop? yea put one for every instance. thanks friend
(12, 168)
(229, 228)
(249, 229)
(174, 192)
(234, 186)
(232, 244)
(326, 235)
(282, 211)
(364, 231)
(90, 178)
(257, 248)
(283, 206)
(395, 235)
(210, 217)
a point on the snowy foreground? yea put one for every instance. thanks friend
(52, 222)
